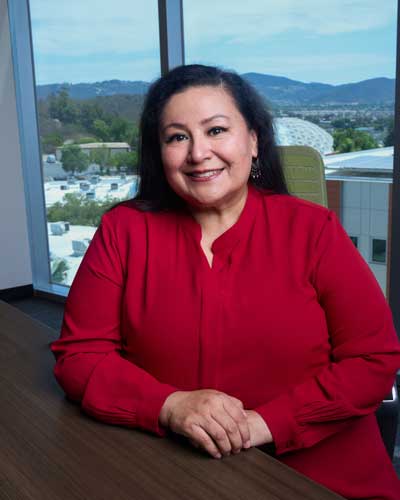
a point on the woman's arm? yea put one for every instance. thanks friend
(89, 364)
(92, 371)
(365, 351)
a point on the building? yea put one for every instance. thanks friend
(360, 191)
(112, 147)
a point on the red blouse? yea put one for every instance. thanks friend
(289, 319)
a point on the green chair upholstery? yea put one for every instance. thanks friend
(304, 172)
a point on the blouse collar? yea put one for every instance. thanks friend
(225, 243)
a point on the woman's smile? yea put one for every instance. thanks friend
(204, 175)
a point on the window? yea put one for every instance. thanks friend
(354, 239)
(379, 251)
(93, 64)
(327, 71)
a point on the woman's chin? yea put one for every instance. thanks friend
(214, 200)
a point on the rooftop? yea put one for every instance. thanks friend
(370, 165)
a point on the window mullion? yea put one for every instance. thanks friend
(170, 15)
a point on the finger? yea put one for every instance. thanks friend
(203, 439)
(240, 418)
(218, 435)
(236, 401)
(194, 443)
(231, 429)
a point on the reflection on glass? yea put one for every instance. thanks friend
(379, 250)
(327, 72)
(93, 65)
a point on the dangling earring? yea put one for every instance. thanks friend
(255, 171)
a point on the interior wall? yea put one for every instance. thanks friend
(15, 262)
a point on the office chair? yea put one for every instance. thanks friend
(304, 172)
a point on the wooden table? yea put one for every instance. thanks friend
(50, 450)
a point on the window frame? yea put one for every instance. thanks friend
(171, 55)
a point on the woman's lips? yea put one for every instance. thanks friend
(205, 176)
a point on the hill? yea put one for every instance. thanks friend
(276, 89)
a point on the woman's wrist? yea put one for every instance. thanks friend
(259, 430)
(165, 411)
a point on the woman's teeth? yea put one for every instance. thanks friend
(209, 173)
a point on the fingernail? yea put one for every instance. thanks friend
(218, 455)
(247, 444)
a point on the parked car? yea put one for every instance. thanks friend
(51, 159)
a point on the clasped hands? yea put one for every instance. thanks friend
(214, 421)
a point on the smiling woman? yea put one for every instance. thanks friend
(207, 158)
(199, 120)
(224, 309)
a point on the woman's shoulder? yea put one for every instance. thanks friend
(131, 216)
(291, 205)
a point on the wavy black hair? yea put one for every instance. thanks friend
(154, 191)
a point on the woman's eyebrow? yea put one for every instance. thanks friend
(174, 125)
(203, 122)
(206, 120)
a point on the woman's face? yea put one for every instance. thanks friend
(206, 147)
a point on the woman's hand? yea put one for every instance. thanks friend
(259, 430)
(211, 419)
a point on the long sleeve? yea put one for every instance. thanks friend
(365, 352)
(90, 365)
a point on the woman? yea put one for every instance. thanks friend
(219, 307)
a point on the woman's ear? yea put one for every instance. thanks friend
(254, 144)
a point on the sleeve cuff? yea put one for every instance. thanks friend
(278, 415)
(150, 406)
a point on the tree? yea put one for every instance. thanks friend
(63, 108)
(119, 129)
(77, 210)
(100, 156)
(389, 139)
(348, 140)
(126, 159)
(89, 113)
(101, 130)
(74, 159)
(51, 142)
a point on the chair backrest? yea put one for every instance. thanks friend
(304, 172)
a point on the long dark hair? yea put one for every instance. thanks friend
(154, 192)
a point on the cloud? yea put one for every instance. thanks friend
(94, 39)
(244, 22)
(77, 28)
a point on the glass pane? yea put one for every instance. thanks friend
(93, 64)
(327, 71)
(379, 250)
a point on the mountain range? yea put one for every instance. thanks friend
(276, 89)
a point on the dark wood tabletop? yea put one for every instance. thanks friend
(50, 450)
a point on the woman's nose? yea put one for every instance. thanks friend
(199, 149)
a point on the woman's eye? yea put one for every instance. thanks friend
(176, 138)
(216, 130)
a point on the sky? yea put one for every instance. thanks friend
(337, 41)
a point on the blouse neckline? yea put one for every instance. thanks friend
(225, 243)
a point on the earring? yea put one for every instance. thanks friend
(255, 171)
